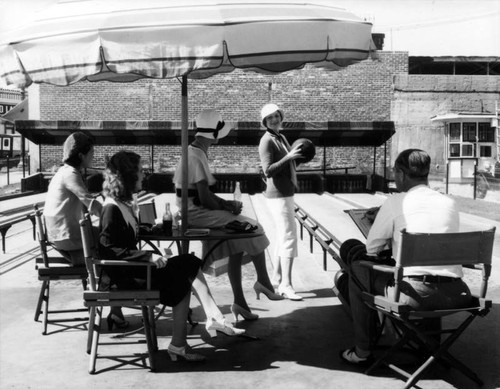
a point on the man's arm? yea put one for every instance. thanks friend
(380, 234)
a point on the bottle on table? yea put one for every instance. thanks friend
(237, 191)
(167, 220)
(177, 220)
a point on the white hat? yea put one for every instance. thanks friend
(269, 109)
(209, 124)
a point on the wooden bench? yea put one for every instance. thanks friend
(10, 217)
(17, 217)
(318, 232)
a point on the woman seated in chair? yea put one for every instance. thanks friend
(68, 197)
(67, 200)
(205, 209)
(117, 241)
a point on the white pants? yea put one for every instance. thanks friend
(283, 212)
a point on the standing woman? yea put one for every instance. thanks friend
(68, 197)
(278, 164)
(118, 241)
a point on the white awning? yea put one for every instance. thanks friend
(19, 112)
(463, 116)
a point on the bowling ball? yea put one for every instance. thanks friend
(307, 151)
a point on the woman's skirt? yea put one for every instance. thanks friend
(200, 217)
(173, 281)
(283, 213)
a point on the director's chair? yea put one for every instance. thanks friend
(469, 249)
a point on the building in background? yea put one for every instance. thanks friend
(12, 105)
(412, 92)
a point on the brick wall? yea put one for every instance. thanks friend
(361, 92)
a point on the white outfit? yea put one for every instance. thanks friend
(283, 213)
(281, 182)
(421, 209)
(201, 217)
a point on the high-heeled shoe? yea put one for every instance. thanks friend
(259, 288)
(213, 325)
(247, 315)
(113, 319)
(177, 353)
(289, 293)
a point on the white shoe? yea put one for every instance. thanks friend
(212, 326)
(289, 293)
(275, 282)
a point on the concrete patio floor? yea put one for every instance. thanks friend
(297, 347)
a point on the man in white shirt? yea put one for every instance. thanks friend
(418, 209)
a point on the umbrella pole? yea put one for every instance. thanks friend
(184, 159)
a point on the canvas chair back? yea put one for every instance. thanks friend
(42, 236)
(446, 249)
(89, 250)
(147, 213)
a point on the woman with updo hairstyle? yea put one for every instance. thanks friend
(118, 229)
(68, 198)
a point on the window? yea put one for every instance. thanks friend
(471, 139)
(431, 65)
(455, 150)
(485, 151)
(454, 132)
(486, 133)
(469, 134)
(467, 151)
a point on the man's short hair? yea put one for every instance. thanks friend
(414, 162)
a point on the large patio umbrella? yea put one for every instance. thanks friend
(124, 40)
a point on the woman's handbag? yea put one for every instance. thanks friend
(238, 226)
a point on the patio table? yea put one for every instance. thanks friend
(220, 235)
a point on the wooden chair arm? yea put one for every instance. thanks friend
(107, 262)
(474, 266)
(147, 265)
(377, 266)
(482, 302)
(384, 303)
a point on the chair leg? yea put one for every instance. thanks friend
(416, 375)
(399, 344)
(152, 322)
(438, 352)
(90, 329)
(96, 329)
(46, 307)
(149, 340)
(463, 369)
(40, 300)
(442, 354)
